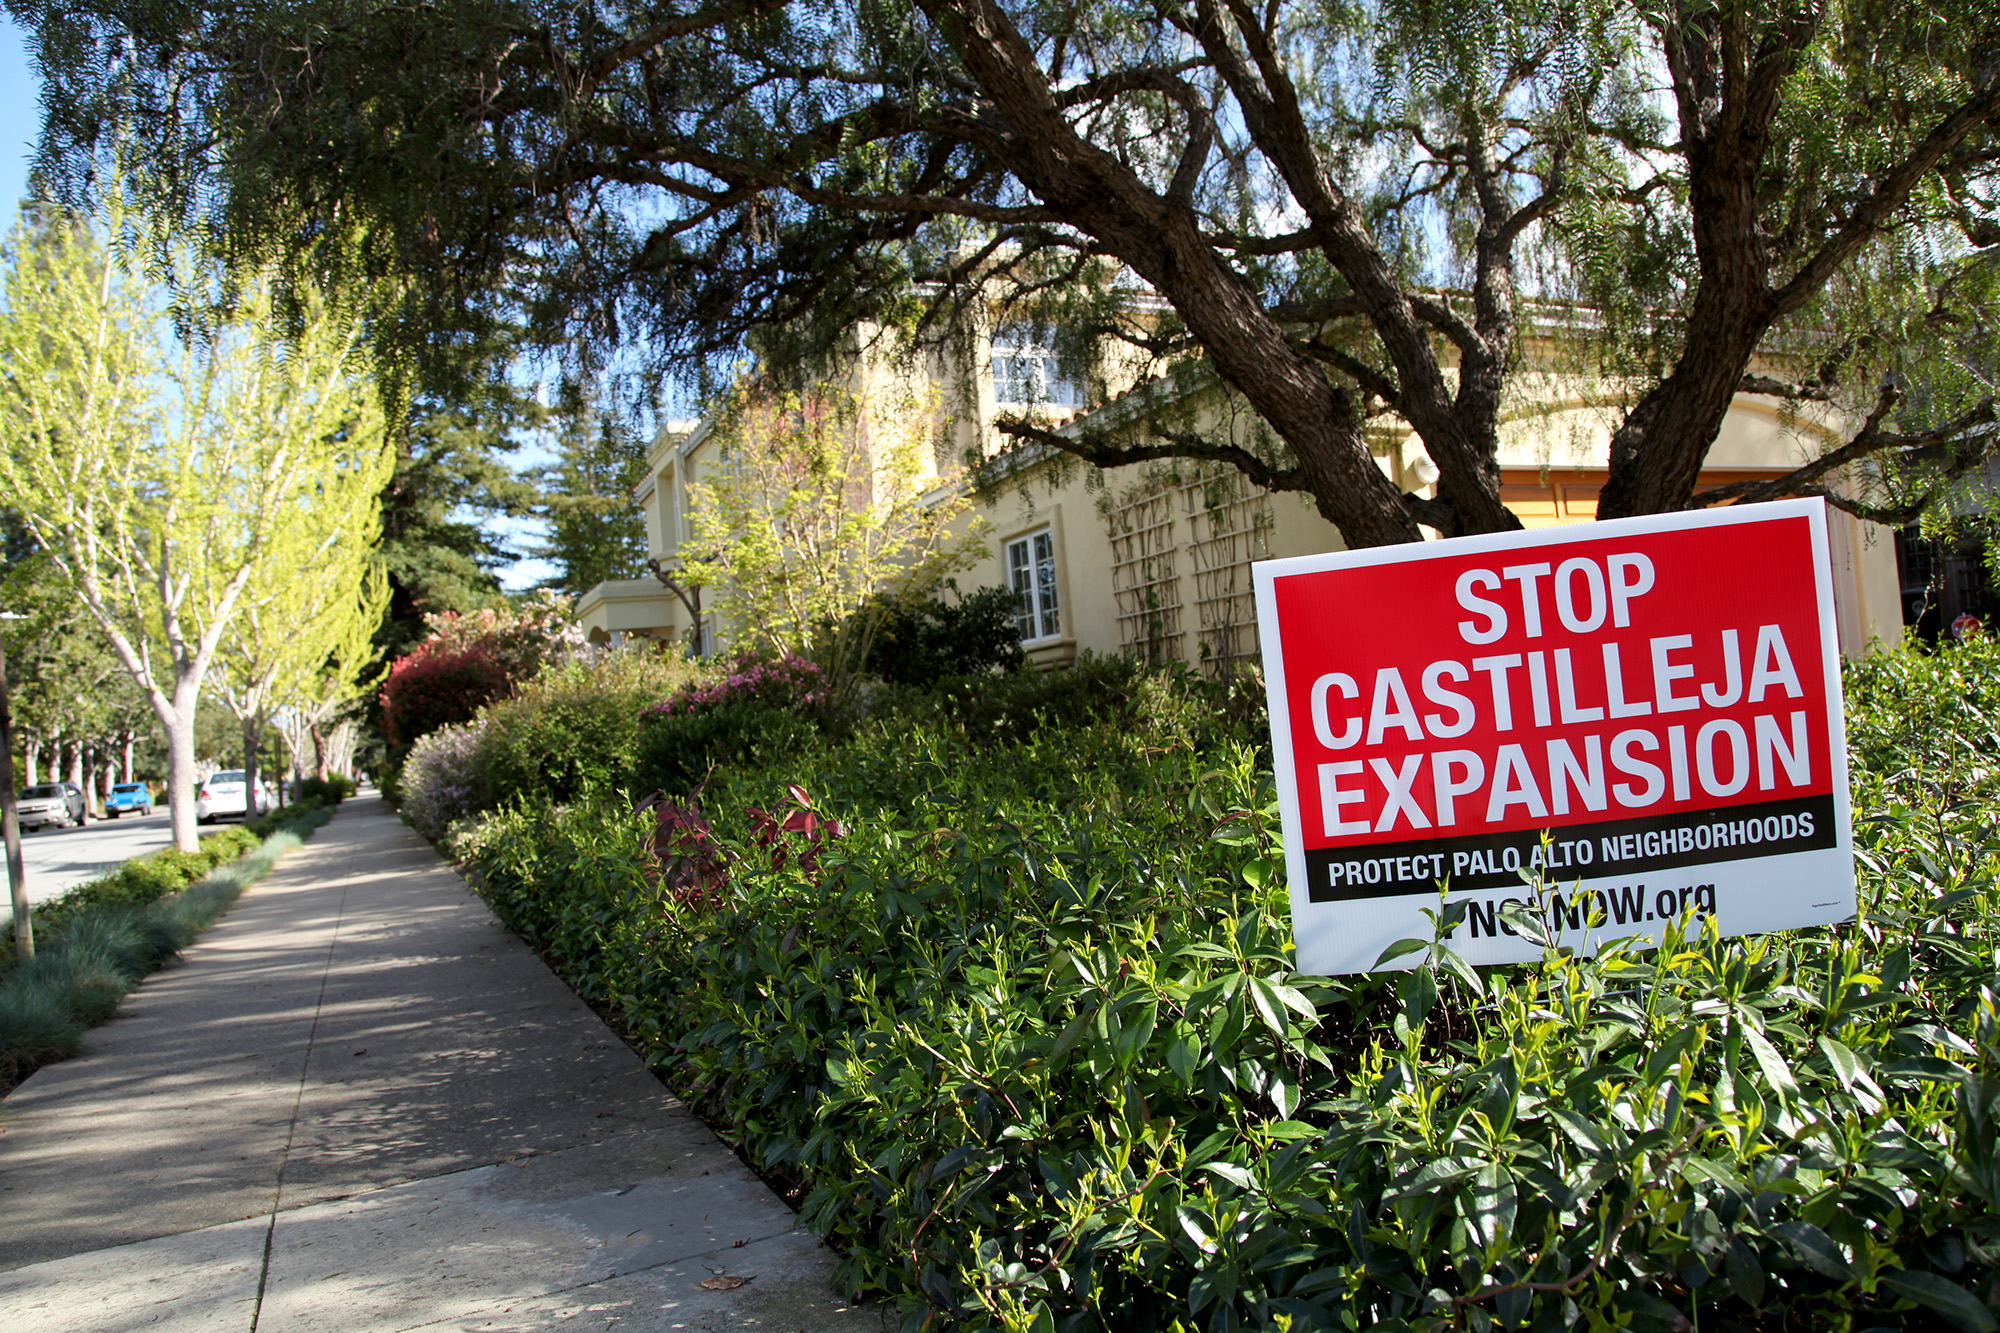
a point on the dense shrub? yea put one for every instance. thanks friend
(440, 781)
(142, 880)
(970, 635)
(574, 729)
(1028, 1045)
(755, 706)
(332, 789)
(264, 825)
(467, 662)
(434, 687)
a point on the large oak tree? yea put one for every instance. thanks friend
(1339, 207)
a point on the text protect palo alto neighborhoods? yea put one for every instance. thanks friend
(1597, 704)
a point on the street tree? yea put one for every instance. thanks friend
(75, 709)
(1343, 211)
(453, 478)
(162, 473)
(304, 636)
(816, 514)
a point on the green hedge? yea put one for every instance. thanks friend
(1030, 1051)
(139, 881)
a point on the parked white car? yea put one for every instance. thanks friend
(226, 793)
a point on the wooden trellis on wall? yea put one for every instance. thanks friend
(1223, 523)
(1228, 526)
(1143, 576)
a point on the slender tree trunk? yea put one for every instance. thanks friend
(253, 729)
(31, 756)
(319, 752)
(176, 717)
(125, 758)
(79, 775)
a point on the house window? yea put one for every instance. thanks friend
(1031, 571)
(1027, 372)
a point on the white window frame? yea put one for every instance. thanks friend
(1027, 372)
(1031, 568)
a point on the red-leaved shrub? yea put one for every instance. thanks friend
(434, 686)
(467, 662)
(689, 865)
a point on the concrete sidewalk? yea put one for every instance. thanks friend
(360, 1104)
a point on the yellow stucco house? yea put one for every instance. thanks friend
(1155, 560)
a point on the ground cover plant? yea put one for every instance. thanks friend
(101, 938)
(1023, 1039)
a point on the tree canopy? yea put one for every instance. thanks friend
(174, 480)
(1341, 209)
(451, 480)
(811, 521)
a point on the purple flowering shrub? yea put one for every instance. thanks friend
(785, 681)
(441, 779)
(757, 706)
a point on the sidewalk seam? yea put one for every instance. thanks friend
(298, 1098)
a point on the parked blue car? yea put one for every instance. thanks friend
(129, 798)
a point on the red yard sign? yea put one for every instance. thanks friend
(1643, 714)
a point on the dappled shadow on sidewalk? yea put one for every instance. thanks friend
(359, 1006)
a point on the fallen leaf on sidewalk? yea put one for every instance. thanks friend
(724, 1282)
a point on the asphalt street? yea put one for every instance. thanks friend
(57, 859)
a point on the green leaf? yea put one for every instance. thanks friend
(1419, 995)
(1232, 1173)
(1074, 1033)
(1493, 1204)
(1181, 1056)
(1579, 1131)
(1942, 1295)
(1925, 1068)
(1288, 1130)
(1776, 1071)
(1433, 1176)
(1198, 1226)
(1284, 1092)
(1400, 949)
(1846, 1067)
(1454, 962)
(1815, 1247)
(1296, 1001)
(1269, 1007)
(1527, 923)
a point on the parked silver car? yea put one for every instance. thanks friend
(50, 803)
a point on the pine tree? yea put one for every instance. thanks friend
(584, 499)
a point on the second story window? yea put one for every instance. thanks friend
(1027, 372)
(1031, 572)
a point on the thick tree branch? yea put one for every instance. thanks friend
(1097, 449)
(1891, 192)
(1370, 379)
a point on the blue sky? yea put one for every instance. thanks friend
(20, 119)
